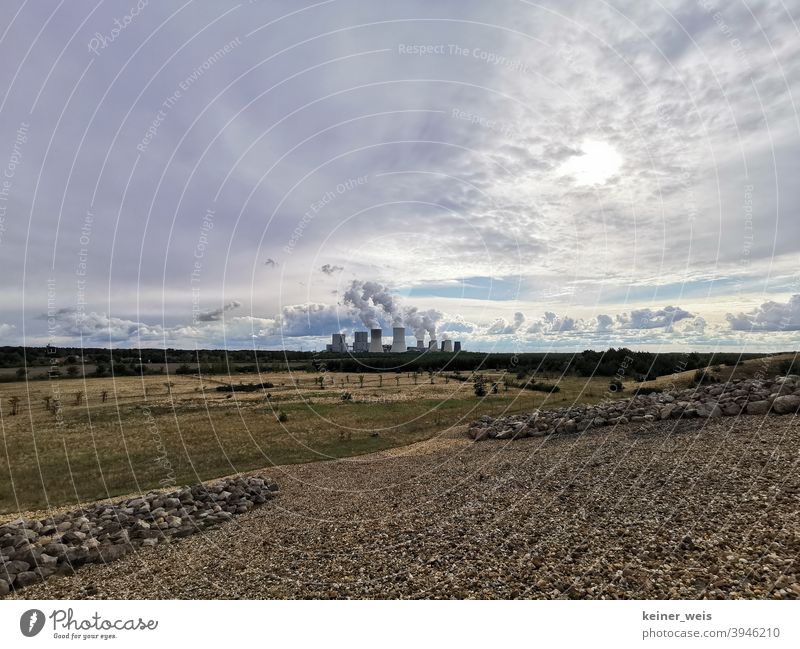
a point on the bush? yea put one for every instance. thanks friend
(615, 386)
(282, 416)
(479, 386)
(648, 390)
(542, 387)
(347, 396)
(245, 387)
(704, 377)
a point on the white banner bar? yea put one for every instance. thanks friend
(379, 625)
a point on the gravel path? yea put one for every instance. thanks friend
(696, 509)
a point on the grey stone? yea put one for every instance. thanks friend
(26, 579)
(56, 549)
(757, 408)
(15, 567)
(787, 404)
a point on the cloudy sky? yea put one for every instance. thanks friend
(514, 175)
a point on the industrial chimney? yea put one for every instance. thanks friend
(398, 340)
(375, 341)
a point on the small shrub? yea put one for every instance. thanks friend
(615, 386)
(542, 387)
(704, 376)
(346, 396)
(479, 386)
(282, 416)
(648, 390)
(14, 402)
(245, 387)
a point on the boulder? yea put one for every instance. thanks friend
(666, 411)
(757, 408)
(787, 404)
(26, 579)
(15, 567)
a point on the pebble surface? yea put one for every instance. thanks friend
(703, 508)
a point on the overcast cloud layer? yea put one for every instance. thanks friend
(525, 176)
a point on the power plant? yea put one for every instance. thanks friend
(375, 344)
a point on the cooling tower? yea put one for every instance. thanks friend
(361, 343)
(447, 345)
(421, 345)
(432, 345)
(338, 343)
(398, 340)
(457, 346)
(375, 342)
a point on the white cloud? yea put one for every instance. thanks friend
(770, 316)
(501, 327)
(652, 319)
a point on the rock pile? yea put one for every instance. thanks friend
(33, 550)
(780, 395)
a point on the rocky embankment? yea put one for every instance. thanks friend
(780, 396)
(33, 550)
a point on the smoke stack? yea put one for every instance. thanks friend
(421, 345)
(375, 341)
(398, 340)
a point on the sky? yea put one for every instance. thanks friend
(518, 176)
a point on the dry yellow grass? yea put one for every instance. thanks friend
(147, 434)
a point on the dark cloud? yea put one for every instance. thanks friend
(329, 269)
(216, 314)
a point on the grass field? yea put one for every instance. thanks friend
(765, 367)
(147, 434)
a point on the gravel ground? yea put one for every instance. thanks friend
(674, 510)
